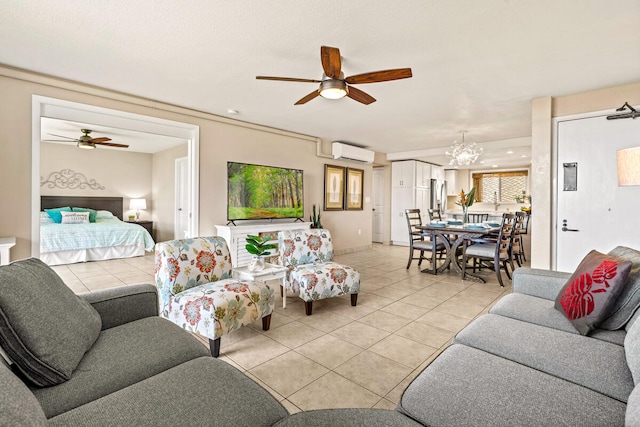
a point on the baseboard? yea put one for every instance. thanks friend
(351, 250)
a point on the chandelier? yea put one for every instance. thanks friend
(463, 155)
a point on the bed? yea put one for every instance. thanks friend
(107, 238)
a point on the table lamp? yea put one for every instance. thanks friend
(138, 204)
(629, 166)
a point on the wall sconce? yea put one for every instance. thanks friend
(629, 166)
(138, 204)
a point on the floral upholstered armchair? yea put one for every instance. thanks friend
(196, 290)
(312, 274)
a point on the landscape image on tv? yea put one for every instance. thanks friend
(260, 192)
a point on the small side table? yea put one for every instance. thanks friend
(148, 225)
(6, 243)
(270, 272)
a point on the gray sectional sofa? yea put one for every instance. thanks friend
(522, 364)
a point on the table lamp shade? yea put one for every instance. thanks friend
(138, 204)
(629, 166)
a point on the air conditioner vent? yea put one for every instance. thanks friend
(343, 151)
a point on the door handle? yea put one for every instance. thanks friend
(565, 228)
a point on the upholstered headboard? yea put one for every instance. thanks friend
(112, 204)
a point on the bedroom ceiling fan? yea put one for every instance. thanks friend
(86, 142)
(335, 86)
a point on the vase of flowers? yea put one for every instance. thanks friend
(465, 200)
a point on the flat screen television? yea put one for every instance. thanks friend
(263, 192)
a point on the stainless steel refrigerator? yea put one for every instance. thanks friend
(439, 195)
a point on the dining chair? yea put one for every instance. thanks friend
(435, 215)
(496, 253)
(517, 249)
(421, 242)
(478, 217)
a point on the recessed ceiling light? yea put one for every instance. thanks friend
(523, 155)
(482, 161)
(232, 111)
(494, 166)
(510, 152)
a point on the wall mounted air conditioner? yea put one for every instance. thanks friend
(343, 151)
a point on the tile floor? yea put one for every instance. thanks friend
(341, 356)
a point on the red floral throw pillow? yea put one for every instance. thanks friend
(592, 290)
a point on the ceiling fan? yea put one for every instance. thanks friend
(335, 86)
(86, 142)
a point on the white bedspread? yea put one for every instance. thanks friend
(100, 234)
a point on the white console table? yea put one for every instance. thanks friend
(6, 243)
(236, 237)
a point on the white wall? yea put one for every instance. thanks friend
(121, 173)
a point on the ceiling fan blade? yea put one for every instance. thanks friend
(288, 79)
(58, 140)
(111, 144)
(331, 62)
(62, 136)
(380, 76)
(360, 96)
(308, 98)
(102, 139)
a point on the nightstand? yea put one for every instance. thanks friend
(148, 225)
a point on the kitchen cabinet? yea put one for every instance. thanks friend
(403, 174)
(437, 172)
(410, 190)
(451, 176)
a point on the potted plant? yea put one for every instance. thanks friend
(259, 248)
(315, 219)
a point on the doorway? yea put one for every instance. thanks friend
(72, 111)
(181, 214)
(592, 211)
(378, 205)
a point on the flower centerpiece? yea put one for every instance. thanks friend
(465, 200)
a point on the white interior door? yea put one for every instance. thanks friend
(598, 214)
(378, 204)
(181, 228)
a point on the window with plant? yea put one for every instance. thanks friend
(500, 187)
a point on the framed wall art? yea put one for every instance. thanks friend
(334, 188)
(355, 180)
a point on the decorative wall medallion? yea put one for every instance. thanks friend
(67, 178)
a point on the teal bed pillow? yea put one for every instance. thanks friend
(45, 328)
(55, 214)
(92, 213)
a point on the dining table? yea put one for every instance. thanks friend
(452, 235)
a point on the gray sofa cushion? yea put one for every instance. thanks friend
(203, 391)
(122, 356)
(632, 350)
(632, 417)
(591, 363)
(539, 283)
(629, 299)
(465, 386)
(348, 418)
(44, 327)
(18, 406)
(533, 310)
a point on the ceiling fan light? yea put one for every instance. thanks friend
(333, 89)
(86, 145)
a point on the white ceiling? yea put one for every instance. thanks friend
(139, 142)
(476, 64)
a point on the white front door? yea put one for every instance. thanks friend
(598, 214)
(378, 204)
(181, 228)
